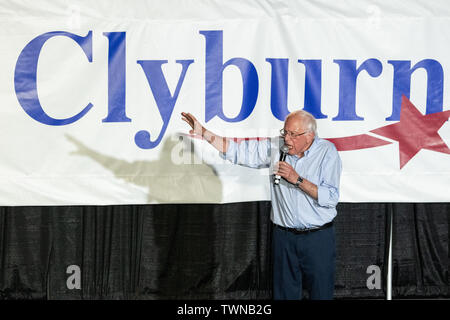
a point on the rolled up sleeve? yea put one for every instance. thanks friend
(328, 188)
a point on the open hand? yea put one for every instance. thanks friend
(197, 128)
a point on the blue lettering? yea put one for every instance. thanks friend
(347, 85)
(402, 85)
(163, 98)
(313, 87)
(25, 77)
(25, 82)
(116, 77)
(214, 79)
(279, 88)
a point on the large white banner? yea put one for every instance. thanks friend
(91, 94)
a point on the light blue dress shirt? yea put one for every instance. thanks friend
(291, 207)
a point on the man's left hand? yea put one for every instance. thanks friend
(285, 170)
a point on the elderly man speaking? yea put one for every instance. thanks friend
(303, 202)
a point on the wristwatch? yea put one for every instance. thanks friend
(299, 180)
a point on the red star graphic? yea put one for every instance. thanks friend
(415, 131)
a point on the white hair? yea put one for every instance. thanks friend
(307, 119)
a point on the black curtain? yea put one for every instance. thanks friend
(421, 250)
(210, 251)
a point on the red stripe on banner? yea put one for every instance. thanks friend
(357, 142)
(237, 140)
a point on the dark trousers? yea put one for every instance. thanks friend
(303, 260)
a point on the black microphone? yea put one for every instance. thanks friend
(283, 152)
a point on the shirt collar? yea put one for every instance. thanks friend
(312, 147)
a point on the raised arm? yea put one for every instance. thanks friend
(218, 142)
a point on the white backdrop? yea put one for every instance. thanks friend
(91, 161)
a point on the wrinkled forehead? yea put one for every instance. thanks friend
(295, 123)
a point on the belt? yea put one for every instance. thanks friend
(305, 230)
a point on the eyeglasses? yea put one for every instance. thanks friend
(293, 135)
